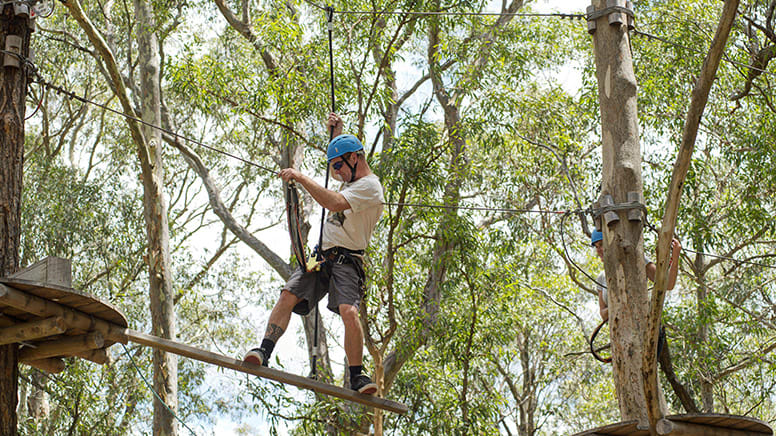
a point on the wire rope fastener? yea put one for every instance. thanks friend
(605, 208)
(635, 214)
(329, 17)
(12, 55)
(21, 9)
(618, 12)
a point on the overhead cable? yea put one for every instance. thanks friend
(566, 252)
(449, 13)
(564, 213)
(652, 227)
(73, 95)
(732, 259)
(469, 14)
(697, 50)
(483, 208)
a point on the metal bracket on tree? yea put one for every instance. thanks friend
(605, 208)
(619, 12)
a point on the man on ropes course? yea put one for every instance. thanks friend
(354, 211)
(596, 240)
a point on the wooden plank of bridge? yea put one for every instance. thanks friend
(263, 371)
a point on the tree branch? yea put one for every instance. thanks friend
(700, 95)
(220, 209)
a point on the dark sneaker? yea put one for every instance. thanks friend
(363, 384)
(256, 356)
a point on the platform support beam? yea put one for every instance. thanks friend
(30, 331)
(73, 318)
(68, 345)
(52, 365)
(100, 356)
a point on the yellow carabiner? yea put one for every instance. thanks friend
(313, 264)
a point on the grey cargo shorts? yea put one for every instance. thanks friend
(340, 280)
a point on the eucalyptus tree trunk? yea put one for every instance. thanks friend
(13, 90)
(702, 334)
(157, 227)
(149, 151)
(529, 401)
(623, 242)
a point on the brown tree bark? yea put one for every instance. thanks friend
(156, 220)
(623, 242)
(13, 91)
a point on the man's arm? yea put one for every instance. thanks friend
(651, 270)
(673, 266)
(602, 308)
(331, 200)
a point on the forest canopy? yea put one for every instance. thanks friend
(482, 122)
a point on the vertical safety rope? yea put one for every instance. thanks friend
(329, 18)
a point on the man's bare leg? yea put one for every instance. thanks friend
(276, 326)
(354, 334)
(354, 350)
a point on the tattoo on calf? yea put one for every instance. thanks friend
(274, 332)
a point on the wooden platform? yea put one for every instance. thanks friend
(65, 296)
(50, 321)
(689, 425)
(35, 311)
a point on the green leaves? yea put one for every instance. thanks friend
(507, 343)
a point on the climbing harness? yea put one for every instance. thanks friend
(342, 255)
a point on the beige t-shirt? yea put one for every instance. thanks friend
(352, 228)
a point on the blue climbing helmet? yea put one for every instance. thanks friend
(343, 144)
(595, 237)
